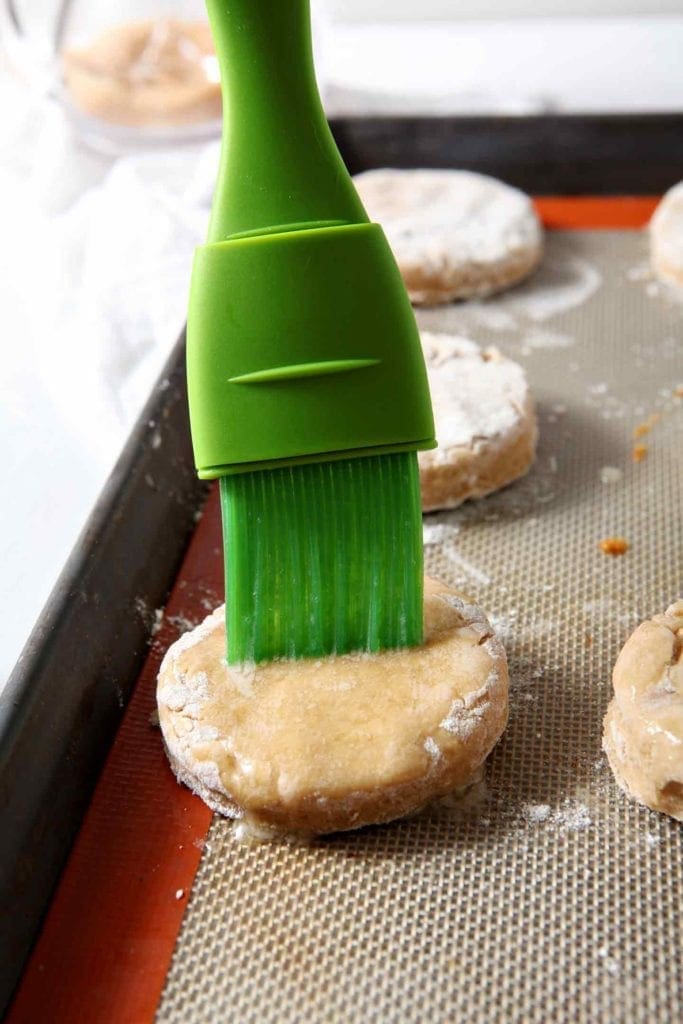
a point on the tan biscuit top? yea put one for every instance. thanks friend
(666, 236)
(161, 72)
(648, 681)
(643, 728)
(287, 732)
(477, 395)
(455, 234)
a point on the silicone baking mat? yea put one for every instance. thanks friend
(552, 898)
(546, 895)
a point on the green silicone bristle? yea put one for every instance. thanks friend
(323, 558)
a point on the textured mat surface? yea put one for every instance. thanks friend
(548, 896)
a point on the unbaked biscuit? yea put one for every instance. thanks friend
(455, 234)
(485, 421)
(331, 744)
(666, 237)
(643, 728)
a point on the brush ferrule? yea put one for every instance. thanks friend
(302, 346)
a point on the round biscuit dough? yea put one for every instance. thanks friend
(455, 234)
(326, 745)
(666, 237)
(643, 727)
(485, 422)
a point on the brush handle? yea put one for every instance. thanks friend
(279, 164)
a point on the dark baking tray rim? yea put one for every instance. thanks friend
(546, 154)
(91, 638)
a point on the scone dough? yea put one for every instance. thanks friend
(161, 72)
(455, 234)
(666, 237)
(326, 745)
(643, 728)
(485, 422)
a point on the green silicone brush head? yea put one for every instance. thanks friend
(307, 385)
(323, 558)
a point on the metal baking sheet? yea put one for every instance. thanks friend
(547, 895)
(546, 154)
(63, 703)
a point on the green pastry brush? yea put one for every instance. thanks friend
(307, 386)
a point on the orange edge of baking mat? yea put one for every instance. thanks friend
(588, 213)
(110, 931)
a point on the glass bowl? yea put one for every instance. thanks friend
(128, 74)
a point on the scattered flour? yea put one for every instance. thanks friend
(604, 608)
(492, 317)
(611, 963)
(641, 272)
(477, 394)
(538, 338)
(432, 748)
(570, 816)
(152, 617)
(182, 623)
(573, 816)
(470, 571)
(438, 533)
(466, 713)
(560, 285)
(610, 474)
(537, 812)
(505, 626)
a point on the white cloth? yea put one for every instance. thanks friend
(93, 286)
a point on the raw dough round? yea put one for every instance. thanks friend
(485, 422)
(455, 234)
(326, 745)
(666, 237)
(643, 728)
(161, 72)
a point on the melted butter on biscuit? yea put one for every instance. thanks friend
(313, 742)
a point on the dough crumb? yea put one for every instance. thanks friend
(179, 893)
(639, 452)
(614, 546)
